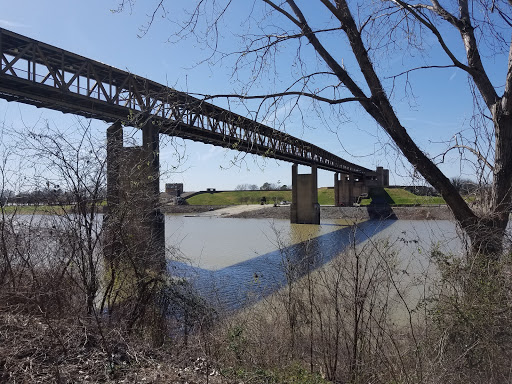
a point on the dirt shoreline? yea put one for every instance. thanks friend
(328, 212)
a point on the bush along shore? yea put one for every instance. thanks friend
(363, 317)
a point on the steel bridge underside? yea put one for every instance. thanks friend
(42, 75)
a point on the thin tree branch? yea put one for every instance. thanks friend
(478, 155)
(340, 72)
(435, 31)
(419, 68)
(281, 94)
(288, 15)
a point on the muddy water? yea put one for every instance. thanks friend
(237, 261)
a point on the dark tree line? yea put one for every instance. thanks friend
(47, 196)
(267, 186)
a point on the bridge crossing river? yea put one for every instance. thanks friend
(33, 72)
(39, 74)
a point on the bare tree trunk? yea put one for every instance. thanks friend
(379, 107)
(487, 235)
(485, 230)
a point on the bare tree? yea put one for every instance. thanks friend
(246, 187)
(276, 28)
(75, 163)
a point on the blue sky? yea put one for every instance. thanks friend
(442, 107)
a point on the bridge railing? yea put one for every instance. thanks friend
(36, 73)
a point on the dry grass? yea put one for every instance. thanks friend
(337, 323)
(36, 349)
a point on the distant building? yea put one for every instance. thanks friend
(379, 178)
(174, 189)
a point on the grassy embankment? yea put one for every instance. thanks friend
(399, 196)
(393, 196)
(45, 209)
(36, 209)
(325, 197)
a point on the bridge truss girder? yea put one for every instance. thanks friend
(39, 74)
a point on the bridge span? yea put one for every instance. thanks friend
(36, 73)
(39, 74)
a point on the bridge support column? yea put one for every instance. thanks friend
(134, 226)
(154, 219)
(133, 193)
(336, 189)
(343, 190)
(305, 208)
(114, 149)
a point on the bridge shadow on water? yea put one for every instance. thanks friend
(247, 282)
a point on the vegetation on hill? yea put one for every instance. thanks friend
(325, 197)
(392, 196)
(399, 196)
(239, 197)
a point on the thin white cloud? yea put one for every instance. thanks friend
(11, 24)
(212, 153)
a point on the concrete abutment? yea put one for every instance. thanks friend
(134, 228)
(305, 208)
(349, 187)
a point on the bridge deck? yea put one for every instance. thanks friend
(39, 74)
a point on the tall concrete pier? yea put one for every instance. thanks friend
(135, 226)
(305, 208)
(349, 187)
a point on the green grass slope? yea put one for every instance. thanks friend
(325, 197)
(399, 196)
(393, 196)
(239, 197)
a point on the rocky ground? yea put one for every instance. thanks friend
(36, 349)
(326, 212)
(189, 208)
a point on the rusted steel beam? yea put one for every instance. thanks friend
(95, 90)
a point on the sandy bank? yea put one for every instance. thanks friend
(326, 212)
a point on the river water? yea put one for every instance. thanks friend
(238, 261)
(235, 262)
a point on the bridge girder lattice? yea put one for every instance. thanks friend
(39, 74)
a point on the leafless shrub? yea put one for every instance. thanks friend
(83, 309)
(471, 319)
(350, 320)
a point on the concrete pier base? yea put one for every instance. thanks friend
(305, 208)
(348, 188)
(343, 190)
(134, 225)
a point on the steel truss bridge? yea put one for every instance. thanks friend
(39, 74)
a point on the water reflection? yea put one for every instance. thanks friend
(254, 277)
(238, 261)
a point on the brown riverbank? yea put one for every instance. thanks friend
(326, 212)
(176, 209)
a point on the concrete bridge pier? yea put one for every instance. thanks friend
(305, 208)
(134, 224)
(343, 189)
(349, 187)
(134, 240)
